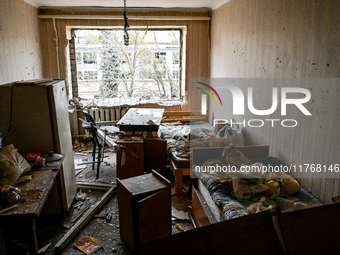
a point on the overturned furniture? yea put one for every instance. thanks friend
(268, 232)
(34, 117)
(144, 208)
(136, 157)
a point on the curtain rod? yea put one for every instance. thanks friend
(117, 17)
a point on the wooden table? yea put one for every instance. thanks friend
(33, 197)
(141, 119)
(179, 173)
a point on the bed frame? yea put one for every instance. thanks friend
(310, 231)
(314, 230)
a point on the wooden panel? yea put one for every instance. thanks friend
(20, 55)
(141, 157)
(134, 160)
(207, 200)
(146, 184)
(198, 212)
(252, 234)
(62, 138)
(31, 127)
(155, 155)
(312, 231)
(277, 39)
(154, 216)
(286, 39)
(126, 214)
(172, 116)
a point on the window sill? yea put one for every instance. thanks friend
(123, 102)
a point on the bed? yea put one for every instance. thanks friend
(177, 135)
(311, 231)
(183, 136)
(214, 200)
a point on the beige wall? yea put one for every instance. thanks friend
(255, 39)
(20, 55)
(286, 39)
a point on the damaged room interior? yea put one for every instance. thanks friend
(169, 127)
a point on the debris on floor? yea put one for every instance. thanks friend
(78, 164)
(179, 227)
(102, 224)
(86, 215)
(88, 245)
(80, 196)
(179, 215)
(43, 249)
(80, 213)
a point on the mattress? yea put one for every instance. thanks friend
(224, 206)
(180, 162)
(177, 130)
(178, 143)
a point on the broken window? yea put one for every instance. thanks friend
(150, 67)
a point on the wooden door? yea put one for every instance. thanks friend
(155, 155)
(62, 138)
(130, 159)
(154, 216)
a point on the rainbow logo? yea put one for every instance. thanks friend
(209, 93)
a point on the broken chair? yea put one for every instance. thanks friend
(98, 141)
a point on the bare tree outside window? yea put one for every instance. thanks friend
(148, 68)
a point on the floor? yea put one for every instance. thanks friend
(103, 230)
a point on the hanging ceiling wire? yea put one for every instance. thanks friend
(126, 25)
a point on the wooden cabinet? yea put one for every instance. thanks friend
(138, 157)
(144, 209)
(34, 117)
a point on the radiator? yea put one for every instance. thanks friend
(107, 114)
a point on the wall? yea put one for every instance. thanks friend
(198, 41)
(198, 47)
(20, 55)
(286, 39)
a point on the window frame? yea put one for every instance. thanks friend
(181, 53)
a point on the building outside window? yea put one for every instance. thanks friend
(147, 68)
